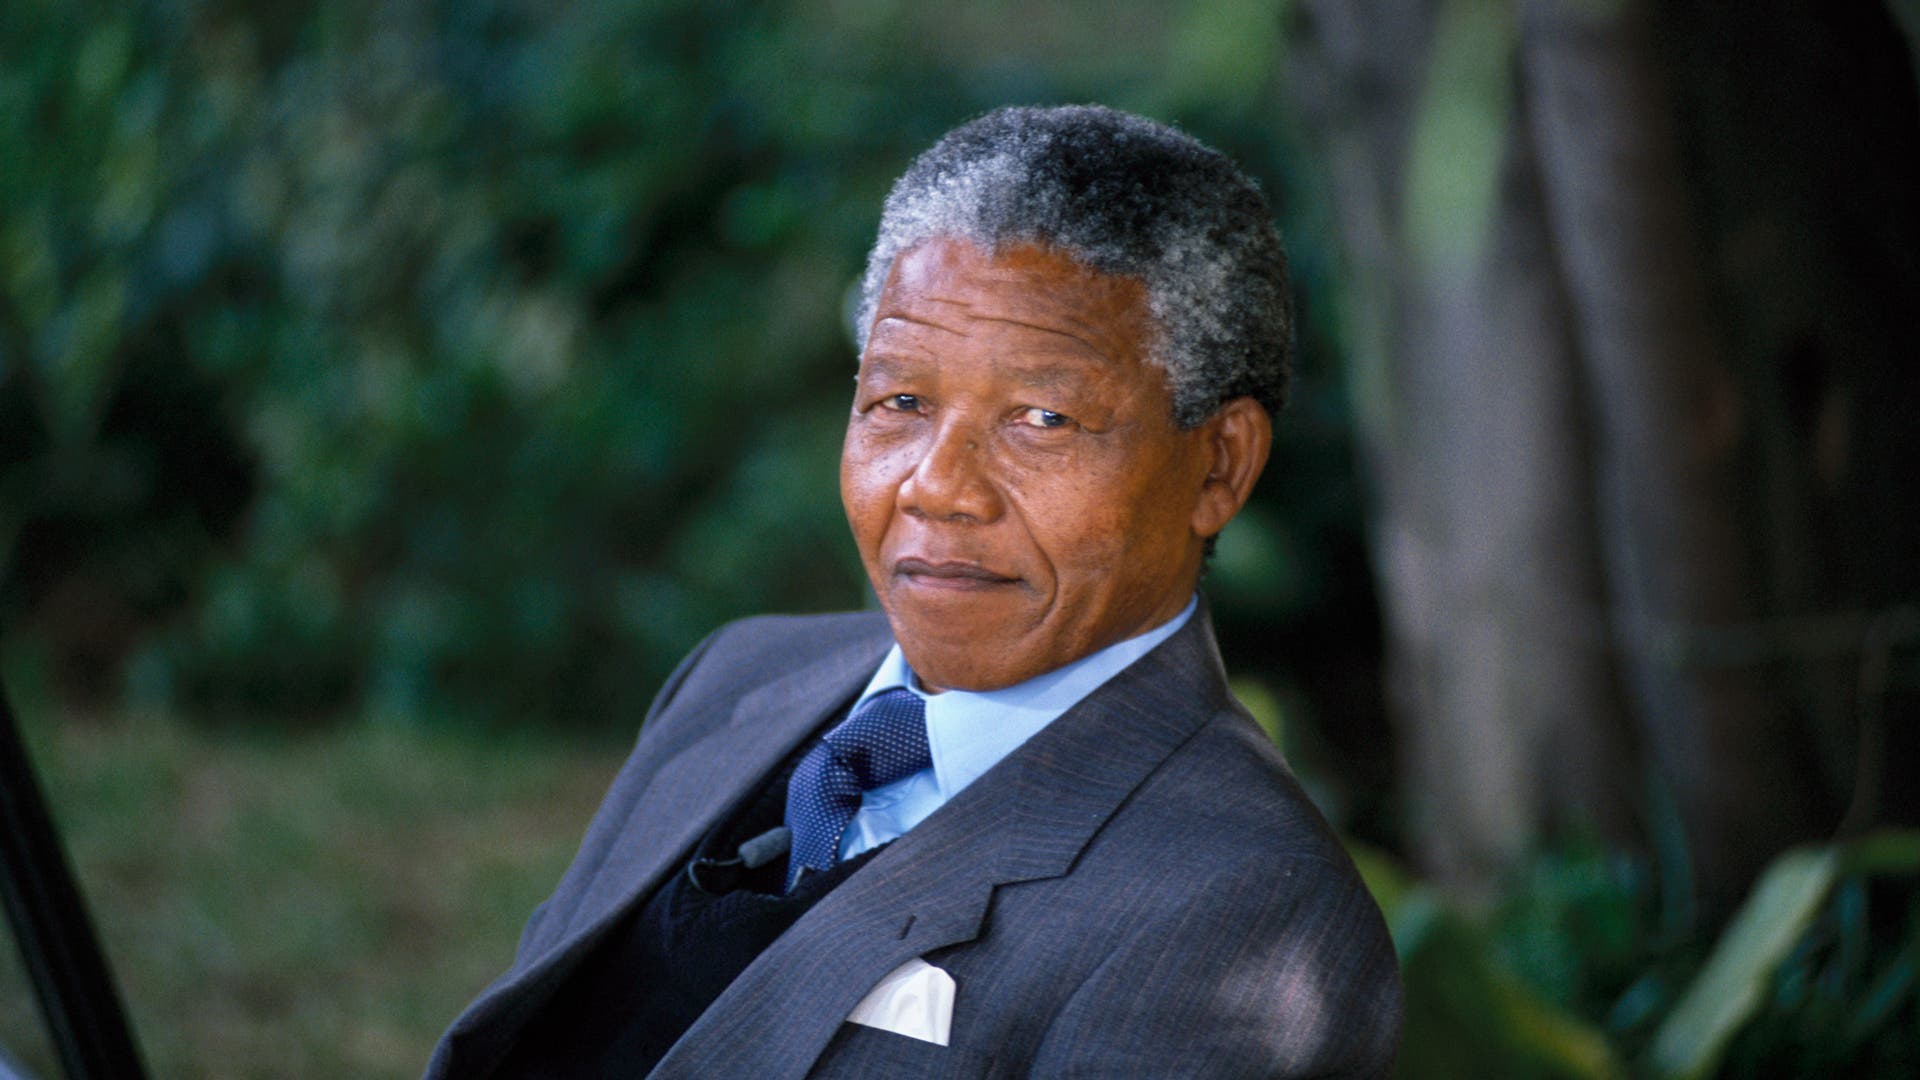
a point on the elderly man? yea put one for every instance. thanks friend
(1015, 825)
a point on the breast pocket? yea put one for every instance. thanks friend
(868, 1052)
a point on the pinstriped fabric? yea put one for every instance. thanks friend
(1140, 890)
(738, 698)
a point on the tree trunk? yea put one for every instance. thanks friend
(1668, 425)
(1596, 532)
(1469, 399)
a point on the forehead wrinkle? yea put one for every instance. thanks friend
(1048, 376)
(1082, 346)
(1050, 369)
(1080, 335)
(1069, 322)
(1063, 372)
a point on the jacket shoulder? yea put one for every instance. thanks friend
(1220, 863)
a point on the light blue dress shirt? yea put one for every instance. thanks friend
(968, 733)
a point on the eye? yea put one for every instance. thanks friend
(1044, 418)
(901, 402)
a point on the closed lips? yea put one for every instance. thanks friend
(951, 572)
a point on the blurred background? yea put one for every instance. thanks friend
(391, 392)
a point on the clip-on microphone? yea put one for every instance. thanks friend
(752, 855)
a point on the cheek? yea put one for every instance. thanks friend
(868, 479)
(1078, 521)
(1121, 539)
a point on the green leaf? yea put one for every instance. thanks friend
(1889, 851)
(1731, 986)
(1551, 1036)
(1469, 1015)
(1264, 706)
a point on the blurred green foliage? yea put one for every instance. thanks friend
(473, 360)
(1580, 973)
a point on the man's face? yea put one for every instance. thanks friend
(1016, 485)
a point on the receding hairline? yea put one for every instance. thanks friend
(1127, 197)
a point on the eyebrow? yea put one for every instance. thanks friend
(1050, 377)
(883, 364)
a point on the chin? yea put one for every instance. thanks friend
(958, 662)
(964, 676)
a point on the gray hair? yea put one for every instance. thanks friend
(1126, 196)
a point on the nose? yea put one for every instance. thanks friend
(953, 479)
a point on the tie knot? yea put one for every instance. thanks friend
(885, 739)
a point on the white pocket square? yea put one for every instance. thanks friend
(915, 1000)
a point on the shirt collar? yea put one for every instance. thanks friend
(969, 732)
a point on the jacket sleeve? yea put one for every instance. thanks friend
(1266, 971)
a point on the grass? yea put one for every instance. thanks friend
(319, 904)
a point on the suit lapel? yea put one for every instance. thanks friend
(689, 794)
(1027, 818)
(701, 784)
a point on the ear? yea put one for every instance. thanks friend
(1237, 437)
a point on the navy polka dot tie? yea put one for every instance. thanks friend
(885, 740)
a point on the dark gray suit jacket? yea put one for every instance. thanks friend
(1140, 890)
